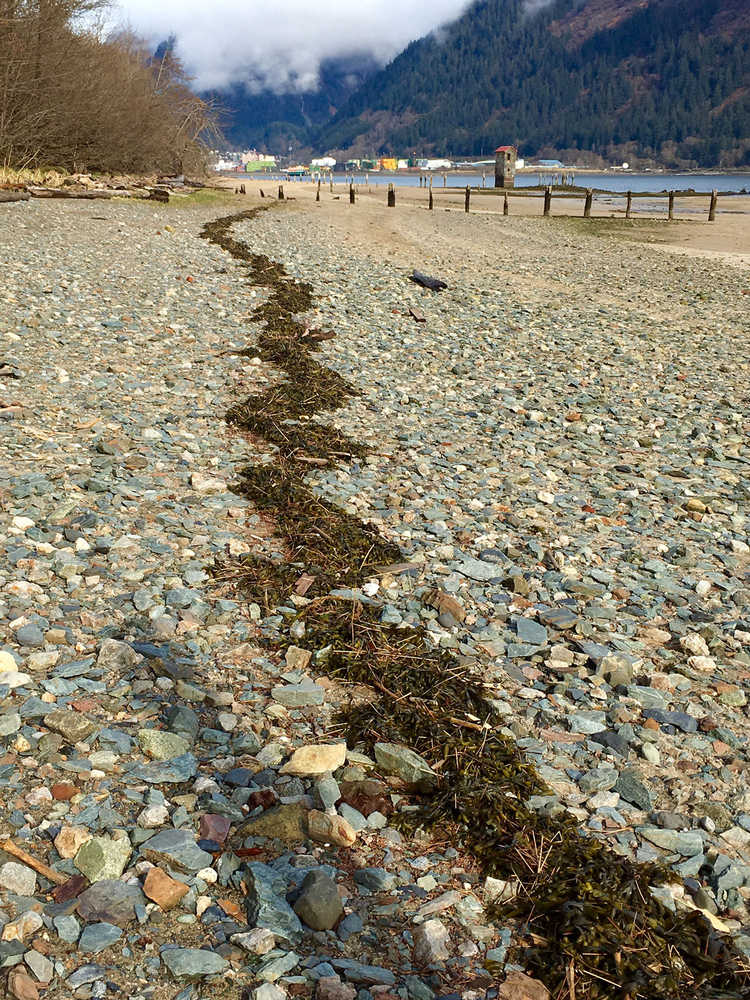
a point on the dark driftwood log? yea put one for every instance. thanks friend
(8, 196)
(65, 193)
(434, 284)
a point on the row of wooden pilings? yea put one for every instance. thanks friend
(547, 211)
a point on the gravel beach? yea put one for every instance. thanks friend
(557, 443)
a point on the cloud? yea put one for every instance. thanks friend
(281, 44)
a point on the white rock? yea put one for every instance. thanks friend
(207, 484)
(17, 878)
(312, 761)
(153, 817)
(14, 678)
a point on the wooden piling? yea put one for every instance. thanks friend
(547, 201)
(430, 206)
(629, 205)
(712, 206)
(317, 193)
(331, 184)
(391, 196)
(467, 199)
(587, 206)
(352, 196)
(671, 205)
(243, 189)
(281, 192)
(506, 207)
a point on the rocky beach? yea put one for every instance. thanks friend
(295, 551)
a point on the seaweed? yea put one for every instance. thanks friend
(590, 927)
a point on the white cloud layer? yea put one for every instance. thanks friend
(281, 44)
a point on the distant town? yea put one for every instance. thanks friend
(251, 161)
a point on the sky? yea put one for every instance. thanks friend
(280, 43)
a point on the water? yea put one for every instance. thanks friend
(616, 183)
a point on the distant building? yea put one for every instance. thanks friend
(389, 163)
(550, 164)
(323, 163)
(505, 166)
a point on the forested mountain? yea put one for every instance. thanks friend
(273, 122)
(662, 79)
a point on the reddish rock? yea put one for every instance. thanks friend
(164, 890)
(63, 791)
(520, 987)
(331, 988)
(70, 889)
(21, 986)
(265, 797)
(214, 828)
(367, 796)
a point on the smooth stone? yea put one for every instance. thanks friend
(97, 937)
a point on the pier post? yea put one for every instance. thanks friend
(587, 206)
(352, 196)
(281, 192)
(506, 209)
(317, 193)
(629, 205)
(467, 199)
(547, 201)
(671, 206)
(391, 196)
(712, 206)
(430, 206)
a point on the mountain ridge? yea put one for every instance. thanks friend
(663, 80)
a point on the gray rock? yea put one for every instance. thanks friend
(319, 904)
(266, 907)
(375, 879)
(30, 635)
(633, 789)
(405, 764)
(68, 928)
(298, 695)
(17, 878)
(193, 963)
(598, 779)
(178, 849)
(110, 901)
(685, 842)
(431, 942)
(97, 937)
(182, 720)
(171, 772)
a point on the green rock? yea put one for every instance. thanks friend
(405, 764)
(104, 857)
(287, 823)
(159, 745)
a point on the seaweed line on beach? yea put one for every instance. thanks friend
(589, 924)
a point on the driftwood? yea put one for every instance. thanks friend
(434, 284)
(8, 196)
(43, 192)
(39, 866)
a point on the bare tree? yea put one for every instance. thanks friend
(74, 98)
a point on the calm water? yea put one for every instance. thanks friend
(653, 182)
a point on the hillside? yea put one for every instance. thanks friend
(273, 122)
(667, 80)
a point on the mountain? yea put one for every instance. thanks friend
(273, 122)
(661, 80)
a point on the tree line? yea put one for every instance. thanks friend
(76, 97)
(663, 83)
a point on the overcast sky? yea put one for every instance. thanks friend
(281, 42)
